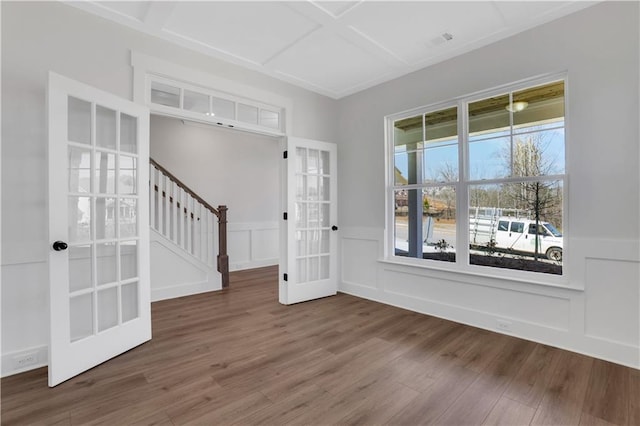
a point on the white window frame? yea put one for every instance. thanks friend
(462, 265)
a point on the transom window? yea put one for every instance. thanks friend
(213, 107)
(479, 182)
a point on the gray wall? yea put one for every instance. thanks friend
(598, 47)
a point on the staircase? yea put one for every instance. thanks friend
(185, 224)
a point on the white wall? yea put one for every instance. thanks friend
(36, 38)
(227, 167)
(598, 47)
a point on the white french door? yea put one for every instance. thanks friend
(310, 238)
(98, 227)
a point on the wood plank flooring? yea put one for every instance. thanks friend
(239, 357)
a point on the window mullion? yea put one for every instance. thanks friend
(462, 192)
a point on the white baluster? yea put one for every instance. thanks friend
(152, 196)
(189, 206)
(161, 203)
(183, 224)
(167, 207)
(210, 238)
(174, 213)
(203, 234)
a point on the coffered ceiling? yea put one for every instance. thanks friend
(334, 48)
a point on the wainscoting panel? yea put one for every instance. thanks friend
(613, 300)
(252, 245)
(359, 261)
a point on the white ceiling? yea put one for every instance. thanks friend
(334, 48)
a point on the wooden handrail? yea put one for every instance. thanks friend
(184, 187)
(220, 212)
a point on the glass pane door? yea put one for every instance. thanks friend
(311, 236)
(99, 286)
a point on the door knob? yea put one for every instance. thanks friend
(334, 228)
(59, 246)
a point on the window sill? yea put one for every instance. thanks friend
(483, 278)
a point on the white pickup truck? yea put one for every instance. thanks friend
(517, 235)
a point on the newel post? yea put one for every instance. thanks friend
(223, 258)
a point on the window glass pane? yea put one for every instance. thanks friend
(490, 158)
(164, 94)
(313, 269)
(80, 270)
(196, 102)
(425, 225)
(301, 243)
(128, 217)
(127, 179)
(324, 242)
(441, 146)
(106, 218)
(105, 173)
(223, 108)
(314, 215)
(301, 270)
(325, 267)
(270, 119)
(441, 161)
(313, 162)
(79, 170)
(325, 217)
(128, 133)
(79, 121)
(106, 263)
(301, 215)
(314, 241)
(79, 221)
(128, 259)
(301, 187)
(538, 105)
(247, 114)
(129, 301)
(312, 187)
(489, 116)
(107, 308)
(105, 127)
(301, 160)
(538, 153)
(325, 189)
(325, 168)
(408, 144)
(503, 222)
(81, 316)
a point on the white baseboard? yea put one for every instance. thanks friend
(181, 290)
(33, 358)
(241, 266)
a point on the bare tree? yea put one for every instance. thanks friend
(448, 173)
(541, 197)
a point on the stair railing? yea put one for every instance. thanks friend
(180, 215)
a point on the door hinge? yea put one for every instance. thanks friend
(285, 154)
(284, 215)
(286, 277)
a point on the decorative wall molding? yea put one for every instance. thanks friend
(252, 245)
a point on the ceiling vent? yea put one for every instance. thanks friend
(441, 39)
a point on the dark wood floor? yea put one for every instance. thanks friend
(238, 357)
